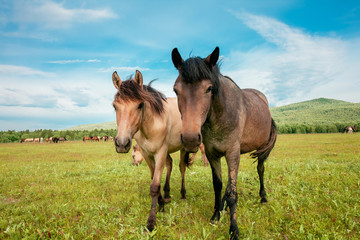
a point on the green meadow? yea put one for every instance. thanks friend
(77, 190)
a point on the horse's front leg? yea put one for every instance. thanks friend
(217, 185)
(155, 191)
(231, 196)
(169, 161)
(184, 158)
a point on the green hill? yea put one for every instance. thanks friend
(321, 111)
(90, 127)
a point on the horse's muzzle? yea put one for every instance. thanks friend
(191, 142)
(122, 145)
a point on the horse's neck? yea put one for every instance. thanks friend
(146, 122)
(150, 123)
(225, 103)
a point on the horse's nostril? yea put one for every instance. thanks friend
(127, 145)
(199, 138)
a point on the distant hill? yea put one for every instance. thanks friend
(104, 125)
(318, 111)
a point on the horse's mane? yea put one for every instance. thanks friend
(196, 69)
(129, 90)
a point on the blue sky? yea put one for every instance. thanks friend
(57, 57)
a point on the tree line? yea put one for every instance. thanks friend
(317, 128)
(71, 135)
(74, 135)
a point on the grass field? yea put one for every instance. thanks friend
(82, 190)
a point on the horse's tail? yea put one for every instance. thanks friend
(263, 153)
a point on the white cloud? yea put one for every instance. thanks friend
(54, 15)
(296, 66)
(26, 93)
(74, 61)
(123, 69)
(21, 70)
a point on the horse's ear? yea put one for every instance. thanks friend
(138, 78)
(116, 80)
(213, 57)
(176, 58)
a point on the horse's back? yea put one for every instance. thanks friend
(253, 92)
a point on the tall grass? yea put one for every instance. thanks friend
(82, 190)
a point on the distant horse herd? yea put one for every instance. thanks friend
(41, 140)
(63, 139)
(97, 138)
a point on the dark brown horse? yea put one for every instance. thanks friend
(230, 121)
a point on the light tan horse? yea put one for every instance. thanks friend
(154, 122)
(136, 155)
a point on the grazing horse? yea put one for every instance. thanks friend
(55, 139)
(96, 139)
(203, 156)
(137, 157)
(155, 123)
(86, 139)
(229, 121)
(62, 139)
(105, 138)
(349, 129)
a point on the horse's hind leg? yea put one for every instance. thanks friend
(167, 197)
(261, 170)
(184, 158)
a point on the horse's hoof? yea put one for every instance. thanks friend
(167, 200)
(215, 217)
(234, 232)
(183, 195)
(150, 227)
(264, 200)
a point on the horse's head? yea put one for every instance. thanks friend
(195, 86)
(128, 106)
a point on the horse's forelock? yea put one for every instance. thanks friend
(131, 91)
(195, 69)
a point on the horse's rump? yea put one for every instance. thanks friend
(262, 153)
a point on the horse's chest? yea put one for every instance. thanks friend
(148, 145)
(215, 141)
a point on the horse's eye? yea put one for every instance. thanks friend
(209, 89)
(141, 105)
(176, 92)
